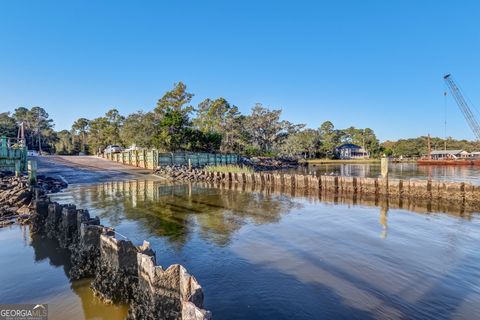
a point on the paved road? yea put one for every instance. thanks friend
(88, 169)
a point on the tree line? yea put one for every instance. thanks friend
(215, 125)
(417, 147)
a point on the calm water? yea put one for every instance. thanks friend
(398, 170)
(34, 270)
(265, 255)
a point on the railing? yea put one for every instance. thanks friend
(151, 159)
(13, 154)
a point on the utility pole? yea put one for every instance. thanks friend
(38, 132)
(429, 148)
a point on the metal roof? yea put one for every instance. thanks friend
(452, 152)
(349, 146)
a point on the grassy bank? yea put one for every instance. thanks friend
(229, 168)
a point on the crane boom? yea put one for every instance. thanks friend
(462, 104)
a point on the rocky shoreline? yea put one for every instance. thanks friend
(121, 271)
(268, 164)
(196, 173)
(16, 196)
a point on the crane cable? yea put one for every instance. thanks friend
(445, 120)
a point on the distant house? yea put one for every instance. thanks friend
(475, 154)
(352, 151)
(449, 154)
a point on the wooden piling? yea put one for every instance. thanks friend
(32, 171)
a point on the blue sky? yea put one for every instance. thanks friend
(376, 64)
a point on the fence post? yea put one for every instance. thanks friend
(152, 159)
(145, 166)
(32, 172)
(384, 168)
(17, 168)
(4, 149)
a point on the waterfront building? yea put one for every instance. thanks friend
(449, 154)
(352, 151)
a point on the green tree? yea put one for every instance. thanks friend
(137, 129)
(8, 126)
(80, 128)
(115, 122)
(64, 144)
(172, 115)
(38, 127)
(330, 139)
(264, 129)
(218, 118)
(417, 147)
(98, 138)
(304, 143)
(104, 131)
(371, 143)
(41, 124)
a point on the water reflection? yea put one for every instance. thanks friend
(48, 250)
(262, 253)
(217, 211)
(173, 211)
(397, 170)
(38, 273)
(384, 218)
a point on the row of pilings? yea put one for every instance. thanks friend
(405, 188)
(121, 271)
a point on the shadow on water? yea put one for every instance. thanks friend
(39, 273)
(49, 250)
(290, 298)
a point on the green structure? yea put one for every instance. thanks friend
(13, 155)
(151, 159)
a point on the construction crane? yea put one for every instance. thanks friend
(463, 105)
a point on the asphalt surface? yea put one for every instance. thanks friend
(88, 169)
